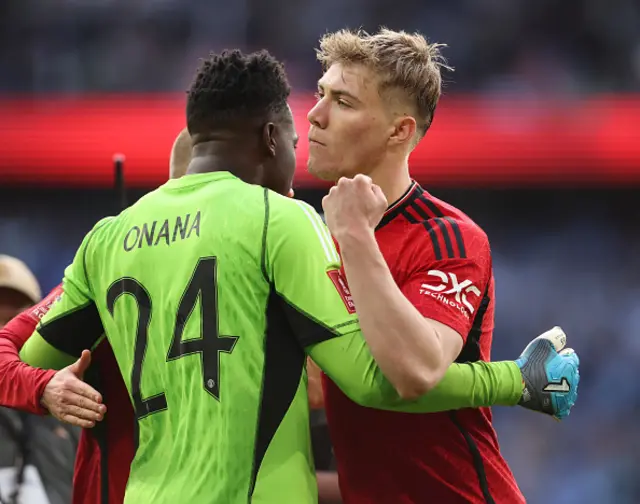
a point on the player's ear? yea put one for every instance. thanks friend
(269, 138)
(404, 128)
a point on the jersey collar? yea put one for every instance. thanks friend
(411, 194)
(200, 178)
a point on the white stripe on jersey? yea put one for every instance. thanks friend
(327, 233)
(321, 231)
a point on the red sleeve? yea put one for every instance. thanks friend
(21, 386)
(449, 270)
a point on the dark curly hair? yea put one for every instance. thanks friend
(232, 86)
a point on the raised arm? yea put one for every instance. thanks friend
(413, 335)
(303, 265)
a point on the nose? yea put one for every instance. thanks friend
(317, 116)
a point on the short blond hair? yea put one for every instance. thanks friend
(404, 62)
(180, 154)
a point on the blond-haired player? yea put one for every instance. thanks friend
(429, 262)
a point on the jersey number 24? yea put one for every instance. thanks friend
(203, 285)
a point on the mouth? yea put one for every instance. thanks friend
(315, 142)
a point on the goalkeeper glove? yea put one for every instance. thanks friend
(551, 374)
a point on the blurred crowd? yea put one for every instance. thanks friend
(500, 46)
(559, 258)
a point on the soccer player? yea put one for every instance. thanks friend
(104, 452)
(211, 289)
(421, 278)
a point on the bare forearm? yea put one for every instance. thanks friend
(328, 487)
(314, 386)
(406, 346)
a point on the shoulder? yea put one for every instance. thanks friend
(97, 234)
(447, 237)
(102, 223)
(291, 211)
(292, 220)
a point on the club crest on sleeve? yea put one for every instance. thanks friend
(42, 308)
(340, 283)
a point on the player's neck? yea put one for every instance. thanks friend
(213, 156)
(393, 180)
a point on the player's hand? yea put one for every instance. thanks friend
(551, 374)
(71, 400)
(353, 206)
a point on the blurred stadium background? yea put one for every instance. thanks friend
(537, 137)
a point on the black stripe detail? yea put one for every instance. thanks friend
(458, 235)
(438, 213)
(477, 459)
(74, 331)
(471, 350)
(434, 239)
(99, 431)
(408, 216)
(420, 211)
(410, 194)
(445, 234)
(430, 204)
(471, 353)
(283, 367)
(305, 328)
(263, 261)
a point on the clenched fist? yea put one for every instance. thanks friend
(353, 206)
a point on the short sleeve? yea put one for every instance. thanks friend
(449, 288)
(303, 265)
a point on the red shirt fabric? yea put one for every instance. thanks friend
(104, 452)
(441, 260)
(21, 386)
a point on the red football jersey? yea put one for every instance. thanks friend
(104, 452)
(441, 261)
(21, 386)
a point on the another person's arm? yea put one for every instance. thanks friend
(328, 487)
(422, 334)
(417, 332)
(40, 391)
(314, 385)
(302, 262)
(350, 365)
(22, 386)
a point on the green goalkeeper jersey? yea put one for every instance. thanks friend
(210, 292)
